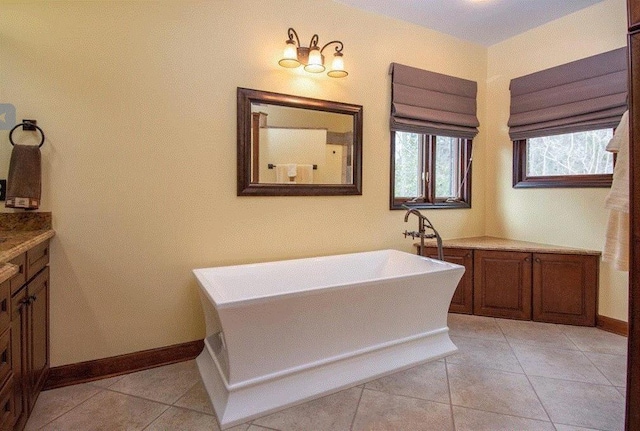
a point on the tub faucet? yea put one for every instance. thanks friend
(423, 225)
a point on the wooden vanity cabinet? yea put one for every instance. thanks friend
(502, 284)
(525, 281)
(462, 301)
(29, 337)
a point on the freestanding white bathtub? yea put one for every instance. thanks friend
(295, 330)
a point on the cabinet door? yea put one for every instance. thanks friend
(634, 14)
(38, 324)
(462, 301)
(565, 288)
(18, 356)
(502, 284)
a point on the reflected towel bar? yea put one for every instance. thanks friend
(272, 166)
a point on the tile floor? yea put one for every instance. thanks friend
(507, 375)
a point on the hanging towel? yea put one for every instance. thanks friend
(305, 174)
(616, 247)
(281, 174)
(292, 171)
(24, 180)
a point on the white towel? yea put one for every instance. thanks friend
(292, 170)
(616, 247)
(281, 174)
(305, 174)
(618, 197)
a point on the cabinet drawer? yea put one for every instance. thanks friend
(37, 258)
(18, 280)
(6, 405)
(5, 299)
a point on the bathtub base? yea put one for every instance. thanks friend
(243, 401)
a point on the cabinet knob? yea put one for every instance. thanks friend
(526, 259)
(538, 259)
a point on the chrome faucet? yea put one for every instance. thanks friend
(423, 224)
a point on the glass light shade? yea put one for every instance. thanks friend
(290, 55)
(337, 67)
(315, 61)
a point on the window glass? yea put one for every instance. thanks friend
(447, 167)
(581, 153)
(408, 166)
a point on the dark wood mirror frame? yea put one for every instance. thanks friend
(248, 188)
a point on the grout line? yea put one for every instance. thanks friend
(530, 384)
(446, 371)
(72, 408)
(355, 413)
(156, 418)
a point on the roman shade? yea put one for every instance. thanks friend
(432, 103)
(582, 95)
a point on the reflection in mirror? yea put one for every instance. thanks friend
(299, 146)
(289, 145)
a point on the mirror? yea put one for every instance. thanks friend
(297, 146)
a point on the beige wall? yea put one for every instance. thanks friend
(138, 101)
(569, 217)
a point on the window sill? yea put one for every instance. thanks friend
(583, 181)
(398, 205)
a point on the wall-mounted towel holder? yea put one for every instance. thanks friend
(27, 125)
(272, 166)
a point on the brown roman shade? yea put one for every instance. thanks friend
(432, 103)
(582, 95)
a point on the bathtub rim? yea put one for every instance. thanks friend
(209, 288)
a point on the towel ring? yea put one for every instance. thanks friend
(30, 125)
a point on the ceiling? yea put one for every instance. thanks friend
(485, 22)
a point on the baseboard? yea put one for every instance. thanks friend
(82, 372)
(610, 324)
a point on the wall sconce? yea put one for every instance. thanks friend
(311, 57)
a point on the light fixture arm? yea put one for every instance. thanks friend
(314, 41)
(338, 48)
(291, 33)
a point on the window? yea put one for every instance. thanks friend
(429, 171)
(568, 160)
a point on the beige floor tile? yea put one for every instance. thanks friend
(196, 398)
(494, 391)
(476, 352)
(109, 411)
(381, 411)
(426, 381)
(623, 391)
(163, 384)
(332, 413)
(476, 420)
(535, 333)
(105, 383)
(256, 428)
(474, 327)
(581, 404)
(614, 367)
(177, 419)
(56, 402)
(558, 364)
(595, 340)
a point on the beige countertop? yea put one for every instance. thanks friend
(18, 233)
(493, 243)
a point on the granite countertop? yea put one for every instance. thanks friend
(18, 233)
(493, 243)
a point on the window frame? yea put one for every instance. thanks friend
(430, 201)
(521, 180)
